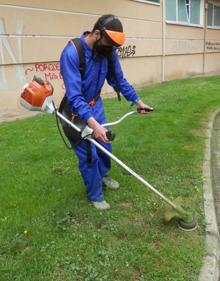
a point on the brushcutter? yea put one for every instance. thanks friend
(38, 96)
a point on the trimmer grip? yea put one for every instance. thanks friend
(110, 135)
(145, 109)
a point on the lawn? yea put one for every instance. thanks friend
(50, 231)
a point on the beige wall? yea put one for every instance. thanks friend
(33, 34)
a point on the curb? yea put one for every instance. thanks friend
(210, 269)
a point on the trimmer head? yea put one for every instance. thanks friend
(184, 219)
(187, 225)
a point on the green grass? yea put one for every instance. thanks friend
(49, 230)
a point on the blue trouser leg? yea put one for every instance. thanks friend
(104, 160)
(93, 172)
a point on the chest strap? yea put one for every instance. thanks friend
(94, 100)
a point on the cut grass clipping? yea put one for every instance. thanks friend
(49, 231)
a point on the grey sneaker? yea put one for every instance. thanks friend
(103, 205)
(110, 183)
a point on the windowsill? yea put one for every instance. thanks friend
(184, 24)
(146, 2)
(213, 27)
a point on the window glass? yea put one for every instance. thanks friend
(217, 16)
(182, 15)
(183, 11)
(214, 14)
(171, 10)
(210, 14)
(195, 12)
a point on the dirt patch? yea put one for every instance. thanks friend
(8, 117)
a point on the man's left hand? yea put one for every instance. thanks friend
(144, 108)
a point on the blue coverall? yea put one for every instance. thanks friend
(80, 91)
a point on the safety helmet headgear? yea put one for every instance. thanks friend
(111, 29)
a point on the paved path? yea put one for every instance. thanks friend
(216, 166)
(215, 151)
(211, 192)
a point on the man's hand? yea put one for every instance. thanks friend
(98, 131)
(144, 108)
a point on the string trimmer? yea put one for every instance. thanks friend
(37, 96)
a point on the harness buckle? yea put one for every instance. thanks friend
(73, 116)
(92, 102)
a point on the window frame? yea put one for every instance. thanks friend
(201, 18)
(148, 2)
(213, 26)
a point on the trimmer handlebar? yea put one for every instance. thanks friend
(111, 135)
(125, 116)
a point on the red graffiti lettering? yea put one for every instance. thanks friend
(41, 67)
(48, 71)
(52, 76)
(28, 70)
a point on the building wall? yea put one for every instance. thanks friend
(33, 34)
(212, 51)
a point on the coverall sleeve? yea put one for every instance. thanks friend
(125, 88)
(69, 68)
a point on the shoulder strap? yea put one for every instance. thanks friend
(82, 62)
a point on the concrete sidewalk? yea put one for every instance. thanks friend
(216, 166)
(211, 189)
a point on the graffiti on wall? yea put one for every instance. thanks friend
(19, 73)
(48, 71)
(212, 46)
(126, 51)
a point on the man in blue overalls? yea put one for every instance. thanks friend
(83, 97)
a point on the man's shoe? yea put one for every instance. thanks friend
(110, 183)
(103, 205)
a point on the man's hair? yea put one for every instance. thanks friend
(109, 22)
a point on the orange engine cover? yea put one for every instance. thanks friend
(35, 93)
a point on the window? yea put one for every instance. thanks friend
(213, 15)
(184, 11)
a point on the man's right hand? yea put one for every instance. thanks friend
(98, 131)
